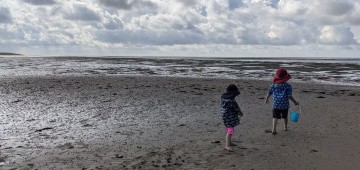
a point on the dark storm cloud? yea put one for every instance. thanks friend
(40, 2)
(5, 16)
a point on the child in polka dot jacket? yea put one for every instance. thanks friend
(281, 92)
(230, 112)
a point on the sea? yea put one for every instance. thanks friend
(337, 71)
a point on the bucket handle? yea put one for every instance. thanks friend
(299, 109)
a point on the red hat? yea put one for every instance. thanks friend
(281, 76)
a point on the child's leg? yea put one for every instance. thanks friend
(274, 125)
(284, 115)
(286, 120)
(228, 141)
(229, 133)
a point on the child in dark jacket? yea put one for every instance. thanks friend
(230, 111)
(281, 92)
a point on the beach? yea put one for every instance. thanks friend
(142, 84)
(155, 122)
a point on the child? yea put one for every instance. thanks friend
(281, 92)
(230, 111)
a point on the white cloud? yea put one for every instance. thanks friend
(272, 3)
(113, 24)
(188, 3)
(356, 31)
(81, 13)
(354, 18)
(126, 4)
(293, 7)
(11, 35)
(233, 4)
(167, 37)
(121, 4)
(333, 7)
(332, 12)
(336, 35)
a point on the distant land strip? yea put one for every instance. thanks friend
(5, 53)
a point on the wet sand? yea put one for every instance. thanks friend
(119, 122)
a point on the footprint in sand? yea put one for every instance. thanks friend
(65, 146)
(268, 131)
(314, 150)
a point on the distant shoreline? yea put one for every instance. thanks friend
(5, 53)
(186, 57)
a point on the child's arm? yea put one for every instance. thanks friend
(237, 109)
(267, 97)
(292, 99)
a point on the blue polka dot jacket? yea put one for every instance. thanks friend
(230, 109)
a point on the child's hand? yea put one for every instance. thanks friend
(296, 103)
(267, 97)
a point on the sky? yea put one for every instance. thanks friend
(211, 28)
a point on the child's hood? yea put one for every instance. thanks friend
(230, 95)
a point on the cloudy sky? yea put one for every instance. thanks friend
(229, 28)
